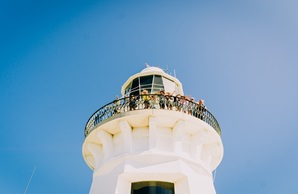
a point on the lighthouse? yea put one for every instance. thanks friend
(152, 140)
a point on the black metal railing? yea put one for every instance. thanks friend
(151, 101)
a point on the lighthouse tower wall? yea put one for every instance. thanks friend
(136, 144)
(147, 145)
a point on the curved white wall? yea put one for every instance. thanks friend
(153, 145)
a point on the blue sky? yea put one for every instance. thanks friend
(62, 60)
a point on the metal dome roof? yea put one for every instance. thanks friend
(149, 69)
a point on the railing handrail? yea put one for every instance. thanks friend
(151, 101)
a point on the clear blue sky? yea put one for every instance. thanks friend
(62, 60)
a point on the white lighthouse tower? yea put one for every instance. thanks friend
(152, 140)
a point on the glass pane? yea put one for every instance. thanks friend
(157, 79)
(157, 88)
(145, 80)
(127, 89)
(146, 83)
(135, 87)
(152, 187)
(157, 85)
